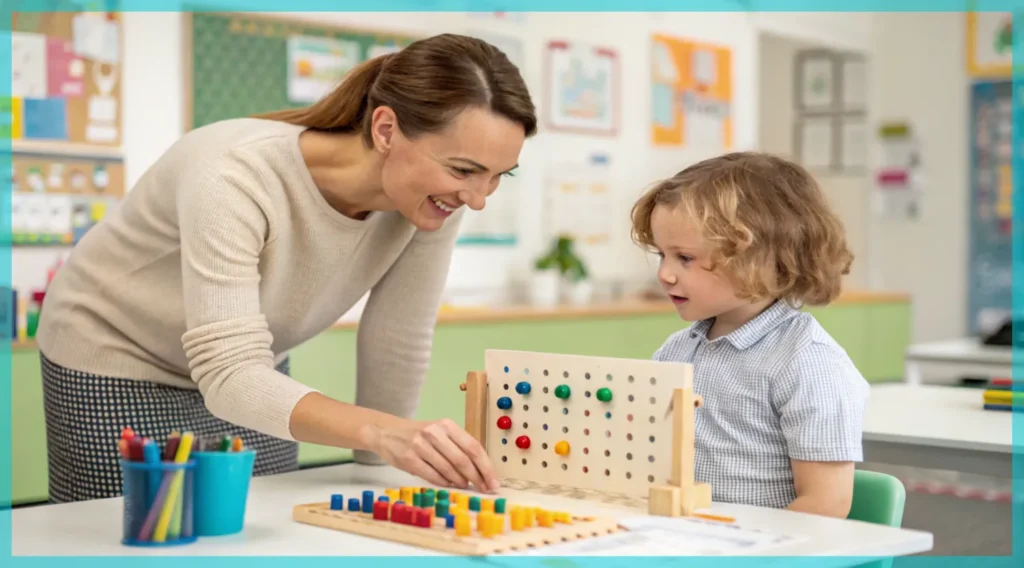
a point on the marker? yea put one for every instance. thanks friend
(225, 443)
(236, 446)
(172, 447)
(122, 446)
(135, 449)
(151, 455)
(164, 521)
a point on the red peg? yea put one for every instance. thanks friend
(504, 423)
(522, 442)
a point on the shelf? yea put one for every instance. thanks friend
(66, 149)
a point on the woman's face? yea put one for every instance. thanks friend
(429, 178)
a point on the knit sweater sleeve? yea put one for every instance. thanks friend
(224, 224)
(396, 328)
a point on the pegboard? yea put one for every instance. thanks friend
(622, 445)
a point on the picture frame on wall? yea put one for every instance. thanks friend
(816, 81)
(989, 44)
(814, 143)
(581, 84)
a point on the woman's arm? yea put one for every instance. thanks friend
(395, 339)
(225, 223)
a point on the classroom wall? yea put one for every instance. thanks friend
(848, 194)
(918, 75)
(153, 110)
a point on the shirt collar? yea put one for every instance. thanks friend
(751, 332)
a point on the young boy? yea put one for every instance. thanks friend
(744, 240)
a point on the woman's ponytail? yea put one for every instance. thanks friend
(344, 108)
(426, 84)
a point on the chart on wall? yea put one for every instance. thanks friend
(246, 64)
(582, 83)
(691, 94)
(991, 211)
(65, 78)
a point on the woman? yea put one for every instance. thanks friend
(251, 236)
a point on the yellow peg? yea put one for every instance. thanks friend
(518, 518)
(462, 527)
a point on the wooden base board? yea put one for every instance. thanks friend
(444, 539)
(672, 501)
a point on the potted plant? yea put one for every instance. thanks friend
(560, 270)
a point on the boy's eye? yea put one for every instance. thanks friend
(685, 258)
(462, 171)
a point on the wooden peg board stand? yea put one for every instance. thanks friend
(442, 539)
(621, 427)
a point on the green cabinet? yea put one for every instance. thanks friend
(874, 334)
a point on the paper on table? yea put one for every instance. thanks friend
(665, 536)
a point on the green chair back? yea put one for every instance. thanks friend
(878, 498)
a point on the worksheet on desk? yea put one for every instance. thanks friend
(669, 536)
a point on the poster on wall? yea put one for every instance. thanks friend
(579, 201)
(898, 185)
(691, 94)
(991, 204)
(989, 44)
(497, 224)
(582, 83)
(316, 64)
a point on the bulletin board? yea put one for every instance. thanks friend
(65, 78)
(56, 198)
(239, 65)
(991, 198)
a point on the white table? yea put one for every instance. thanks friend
(945, 362)
(94, 527)
(938, 427)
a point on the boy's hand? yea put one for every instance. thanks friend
(438, 451)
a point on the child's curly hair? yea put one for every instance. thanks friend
(769, 227)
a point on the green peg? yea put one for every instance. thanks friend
(604, 394)
(562, 391)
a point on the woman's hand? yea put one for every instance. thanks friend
(439, 451)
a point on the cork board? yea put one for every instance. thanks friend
(66, 78)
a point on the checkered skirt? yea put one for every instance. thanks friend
(86, 413)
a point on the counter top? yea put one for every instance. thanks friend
(628, 307)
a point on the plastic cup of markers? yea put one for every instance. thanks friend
(222, 491)
(159, 503)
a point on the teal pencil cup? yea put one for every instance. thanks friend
(159, 503)
(221, 491)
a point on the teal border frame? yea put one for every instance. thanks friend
(1015, 559)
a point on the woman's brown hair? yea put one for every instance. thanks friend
(770, 229)
(426, 84)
